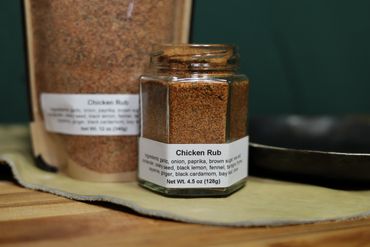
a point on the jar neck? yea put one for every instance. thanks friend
(194, 59)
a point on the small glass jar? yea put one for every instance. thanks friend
(194, 139)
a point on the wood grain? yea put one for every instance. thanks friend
(32, 218)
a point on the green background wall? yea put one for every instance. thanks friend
(304, 57)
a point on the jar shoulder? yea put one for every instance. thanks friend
(230, 78)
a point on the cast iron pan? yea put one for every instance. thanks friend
(324, 150)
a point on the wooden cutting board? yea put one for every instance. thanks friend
(32, 218)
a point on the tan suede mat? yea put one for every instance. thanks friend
(262, 202)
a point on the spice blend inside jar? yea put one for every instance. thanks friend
(194, 139)
(85, 61)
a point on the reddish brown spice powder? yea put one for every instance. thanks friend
(198, 112)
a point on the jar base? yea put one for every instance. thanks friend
(193, 192)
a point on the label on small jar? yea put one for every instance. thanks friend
(91, 114)
(193, 165)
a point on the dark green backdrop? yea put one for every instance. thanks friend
(306, 56)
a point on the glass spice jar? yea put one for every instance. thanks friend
(194, 139)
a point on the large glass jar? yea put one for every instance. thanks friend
(194, 104)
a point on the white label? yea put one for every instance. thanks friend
(193, 165)
(91, 114)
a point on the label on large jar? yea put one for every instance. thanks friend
(91, 114)
(193, 165)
